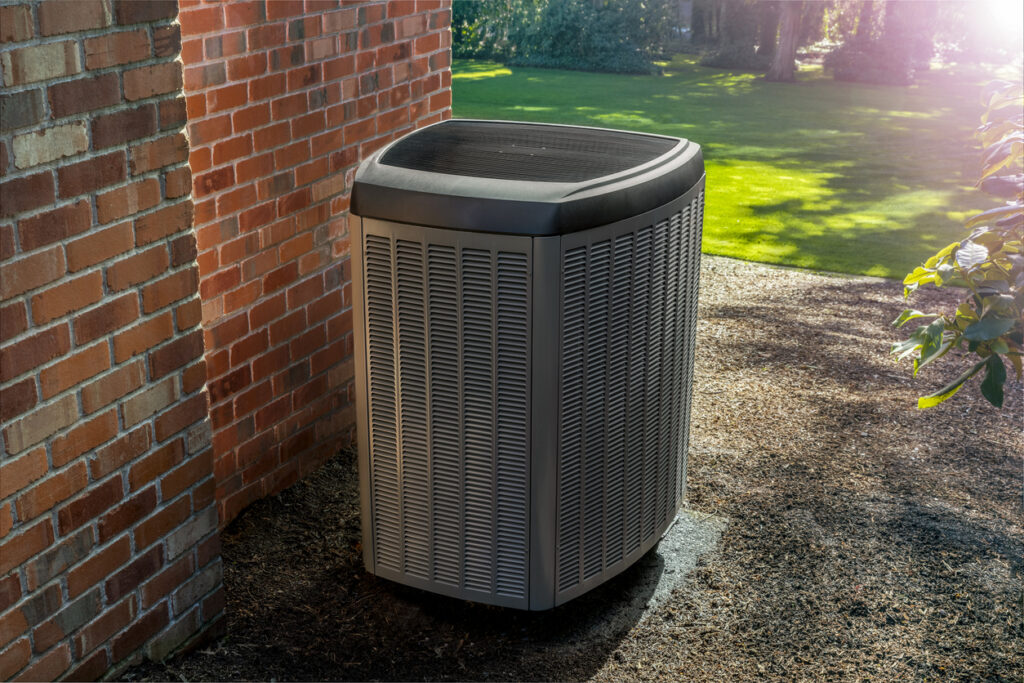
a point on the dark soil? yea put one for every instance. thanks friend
(866, 539)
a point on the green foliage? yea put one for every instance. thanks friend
(870, 62)
(736, 56)
(988, 264)
(621, 36)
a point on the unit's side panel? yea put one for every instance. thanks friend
(627, 313)
(448, 358)
(383, 402)
(362, 402)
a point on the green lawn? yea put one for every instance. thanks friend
(823, 175)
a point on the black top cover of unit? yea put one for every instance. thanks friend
(522, 178)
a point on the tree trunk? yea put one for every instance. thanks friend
(784, 65)
(768, 28)
(865, 22)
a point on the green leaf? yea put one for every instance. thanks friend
(998, 213)
(995, 378)
(970, 254)
(910, 314)
(989, 327)
(932, 344)
(1009, 187)
(947, 391)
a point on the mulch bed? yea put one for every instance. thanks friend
(866, 539)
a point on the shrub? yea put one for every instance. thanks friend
(873, 62)
(736, 56)
(988, 264)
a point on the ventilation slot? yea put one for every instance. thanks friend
(447, 340)
(628, 324)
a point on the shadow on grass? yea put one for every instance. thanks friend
(844, 163)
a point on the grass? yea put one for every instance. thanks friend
(823, 175)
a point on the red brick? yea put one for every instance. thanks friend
(250, 117)
(170, 289)
(56, 225)
(247, 67)
(83, 95)
(83, 438)
(166, 581)
(15, 550)
(195, 21)
(127, 448)
(48, 667)
(219, 282)
(188, 314)
(17, 399)
(255, 167)
(305, 291)
(154, 465)
(166, 41)
(154, 399)
(16, 474)
(236, 200)
(138, 268)
(241, 298)
(285, 8)
(232, 149)
(137, 571)
(113, 386)
(15, 23)
(46, 494)
(75, 370)
(97, 500)
(99, 245)
(271, 136)
(194, 377)
(70, 296)
(7, 247)
(177, 182)
(34, 351)
(228, 97)
(128, 200)
(267, 310)
(100, 630)
(165, 151)
(111, 49)
(148, 81)
(181, 416)
(125, 515)
(91, 669)
(224, 387)
(213, 181)
(133, 12)
(142, 337)
(123, 126)
(172, 113)
(27, 193)
(12, 625)
(191, 471)
(268, 35)
(92, 174)
(174, 355)
(162, 523)
(106, 318)
(14, 658)
(139, 632)
(167, 221)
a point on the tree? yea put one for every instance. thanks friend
(988, 265)
(768, 28)
(783, 66)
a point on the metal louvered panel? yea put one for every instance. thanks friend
(628, 322)
(447, 339)
(513, 436)
(387, 522)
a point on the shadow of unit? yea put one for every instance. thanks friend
(525, 303)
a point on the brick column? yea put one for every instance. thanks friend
(284, 99)
(109, 543)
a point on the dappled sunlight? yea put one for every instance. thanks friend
(477, 74)
(825, 175)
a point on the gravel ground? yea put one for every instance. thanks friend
(865, 539)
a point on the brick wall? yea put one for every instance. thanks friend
(284, 98)
(107, 516)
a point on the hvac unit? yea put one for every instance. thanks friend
(525, 301)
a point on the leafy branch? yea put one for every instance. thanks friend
(988, 265)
